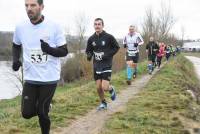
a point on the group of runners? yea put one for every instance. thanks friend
(38, 44)
(155, 51)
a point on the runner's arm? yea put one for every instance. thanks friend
(16, 53)
(60, 51)
(89, 50)
(125, 42)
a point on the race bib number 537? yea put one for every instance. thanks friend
(38, 57)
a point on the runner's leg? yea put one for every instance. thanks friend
(106, 77)
(46, 93)
(134, 68)
(29, 100)
(129, 70)
(100, 91)
(159, 61)
(135, 61)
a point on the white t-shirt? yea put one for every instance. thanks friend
(38, 66)
(130, 40)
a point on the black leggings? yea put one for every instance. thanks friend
(159, 59)
(167, 56)
(36, 101)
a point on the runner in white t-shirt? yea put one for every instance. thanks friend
(131, 43)
(41, 42)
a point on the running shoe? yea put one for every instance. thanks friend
(102, 106)
(113, 94)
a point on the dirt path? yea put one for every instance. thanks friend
(196, 63)
(192, 126)
(93, 122)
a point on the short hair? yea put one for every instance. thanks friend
(40, 2)
(99, 19)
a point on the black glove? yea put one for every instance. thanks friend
(56, 52)
(89, 56)
(44, 46)
(125, 45)
(135, 44)
(16, 65)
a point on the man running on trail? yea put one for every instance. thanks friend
(131, 44)
(102, 46)
(151, 50)
(41, 43)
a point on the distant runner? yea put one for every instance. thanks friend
(160, 54)
(168, 52)
(131, 43)
(151, 50)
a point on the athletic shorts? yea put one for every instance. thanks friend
(135, 58)
(152, 58)
(102, 76)
(168, 55)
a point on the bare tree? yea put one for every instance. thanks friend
(81, 22)
(150, 26)
(158, 25)
(147, 25)
(166, 20)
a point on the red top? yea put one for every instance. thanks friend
(161, 51)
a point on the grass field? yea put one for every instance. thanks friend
(151, 111)
(158, 108)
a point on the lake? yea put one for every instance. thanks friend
(10, 86)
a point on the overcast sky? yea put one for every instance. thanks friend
(117, 14)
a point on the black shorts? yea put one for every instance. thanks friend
(102, 76)
(168, 55)
(135, 58)
(152, 58)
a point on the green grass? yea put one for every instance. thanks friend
(196, 54)
(70, 102)
(153, 110)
